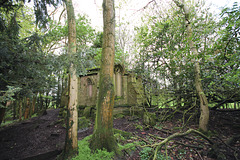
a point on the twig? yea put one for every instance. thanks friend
(154, 136)
(198, 154)
(142, 139)
(226, 144)
(146, 5)
(188, 145)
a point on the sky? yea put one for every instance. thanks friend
(93, 9)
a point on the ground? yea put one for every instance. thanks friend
(30, 138)
(43, 137)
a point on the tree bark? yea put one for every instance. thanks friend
(58, 92)
(27, 108)
(204, 117)
(103, 134)
(71, 143)
(2, 113)
(34, 103)
(20, 110)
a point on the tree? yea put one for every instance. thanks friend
(71, 143)
(204, 117)
(103, 133)
(23, 63)
(164, 52)
(223, 79)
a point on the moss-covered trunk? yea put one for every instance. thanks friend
(103, 133)
(71, 143)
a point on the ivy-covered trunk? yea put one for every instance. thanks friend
(204, 117)
(103, 134)
(71, 143)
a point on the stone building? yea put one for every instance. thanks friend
(128, 88)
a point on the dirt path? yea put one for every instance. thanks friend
(37, 138)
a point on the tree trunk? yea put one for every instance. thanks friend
(2, 113)
(103, 134)
(27, 109)
(46, 100)
(14, 106)
(34, 103)
(58, 92)
(41, 101)
(204, 117)
(71, 143)
(20, 110)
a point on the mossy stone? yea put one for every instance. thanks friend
(87, 112)
(149, 118)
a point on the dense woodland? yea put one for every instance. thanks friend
(187, 56)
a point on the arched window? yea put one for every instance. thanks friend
(89, 87)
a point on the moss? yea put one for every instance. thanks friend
(123, 133)
(116, 116)
(87, 112)
(85, 153)
(83, 123)
(104, 141)
(149, 118)
(117, 98)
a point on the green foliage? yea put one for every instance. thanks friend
(8, 95)
(165, 62)
(137, 126)
(83, 123)
(223, 62)
(84, 152)
(228, 44)
(98, 40)
(40, 8)
(147, 153)
(118, 59)
(119, 138)
(84, 57)
(128, 147)
(7, 123)
(158, 125)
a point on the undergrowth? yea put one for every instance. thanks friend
(84, 152)
(147, 153)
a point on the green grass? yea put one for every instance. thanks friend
(8, 122)
(84, 152)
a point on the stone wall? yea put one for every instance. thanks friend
(128, 89)
(83, 92)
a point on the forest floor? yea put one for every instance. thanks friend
(43, 138)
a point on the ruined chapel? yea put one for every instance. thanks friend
(128, 88)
